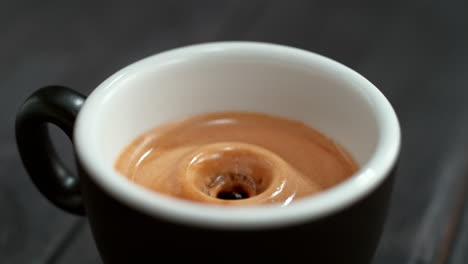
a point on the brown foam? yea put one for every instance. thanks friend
(218, 157)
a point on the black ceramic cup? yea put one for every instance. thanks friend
(131, 224)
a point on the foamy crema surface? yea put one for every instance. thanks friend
(236, 158)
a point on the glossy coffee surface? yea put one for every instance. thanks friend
(236, 158)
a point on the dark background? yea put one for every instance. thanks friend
(416, 52)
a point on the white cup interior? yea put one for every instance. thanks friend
(248, 76)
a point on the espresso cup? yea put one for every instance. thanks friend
(131, 224)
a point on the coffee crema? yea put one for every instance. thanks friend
(236, 158)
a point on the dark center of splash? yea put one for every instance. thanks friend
(232, 186)
(237, 192)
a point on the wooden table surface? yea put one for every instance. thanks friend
(416, 52)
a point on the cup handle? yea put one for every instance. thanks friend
(57, 105)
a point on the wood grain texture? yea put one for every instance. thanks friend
(459, 251)
(414, 51)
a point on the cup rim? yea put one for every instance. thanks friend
(367, 179)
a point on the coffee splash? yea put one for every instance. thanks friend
(236, 158)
